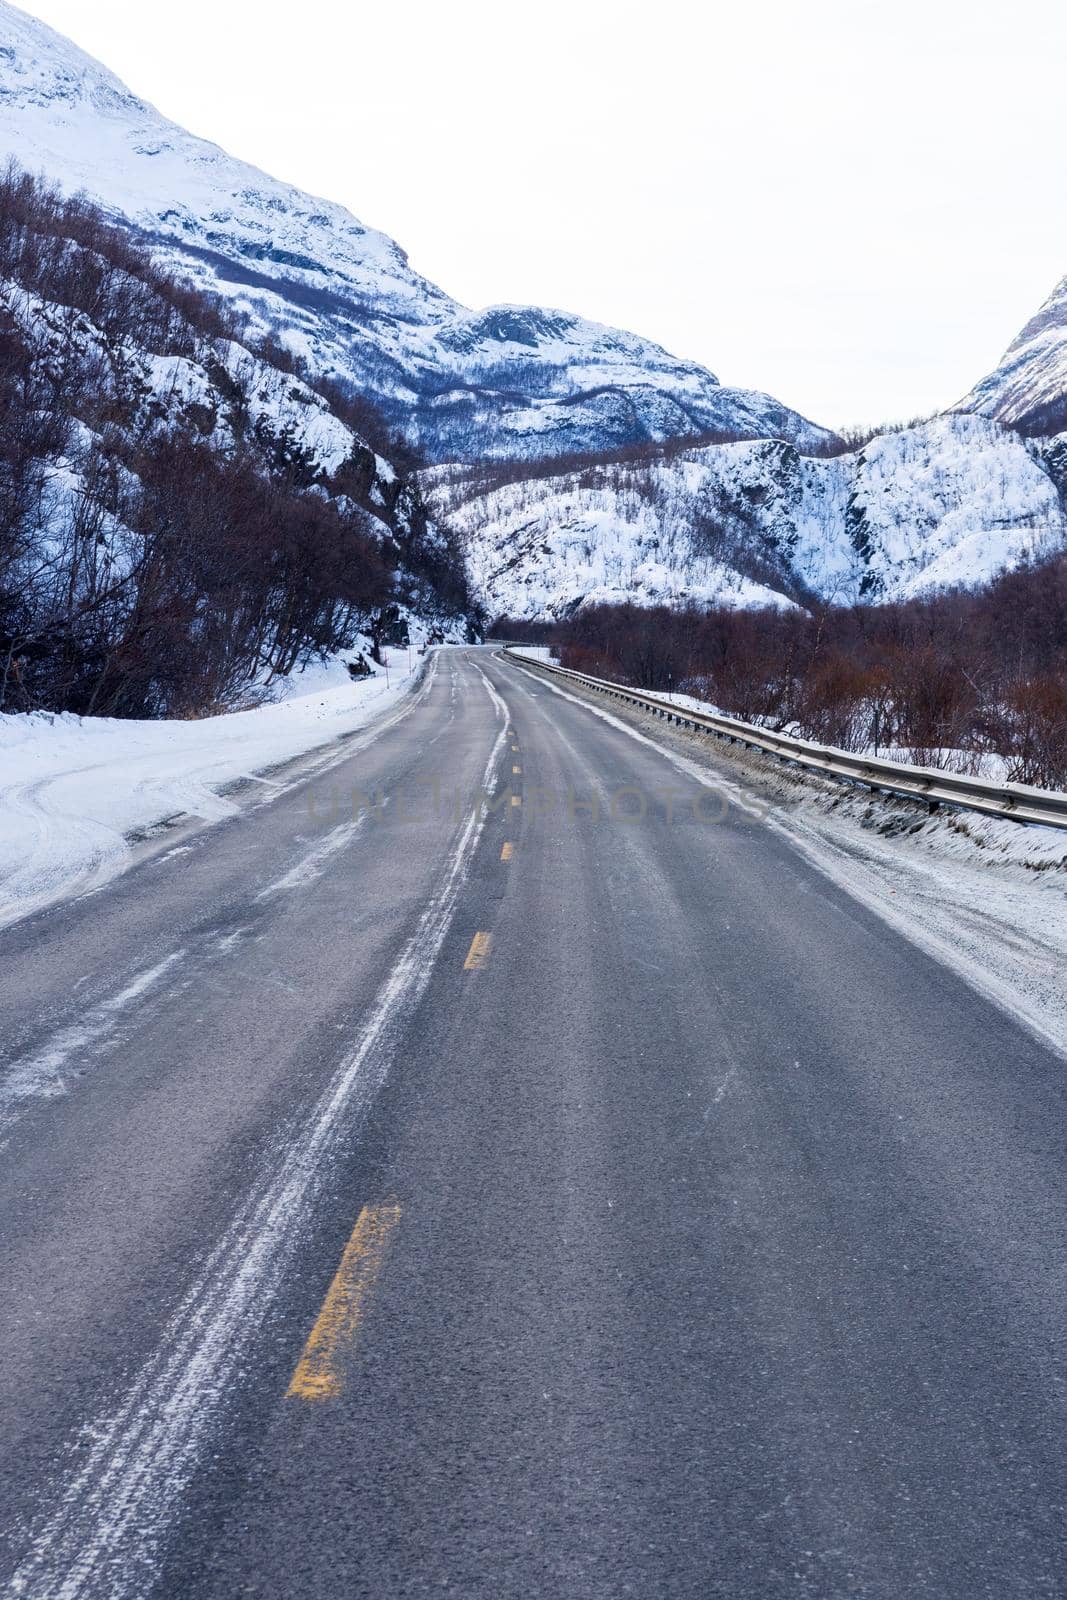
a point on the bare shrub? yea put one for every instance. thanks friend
(947, 680)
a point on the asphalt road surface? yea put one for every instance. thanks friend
(496, 1164)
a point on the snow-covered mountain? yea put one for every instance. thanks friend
(180, 516)
(953, 501)
(744, 503)
(1028, 390)
(511, 382)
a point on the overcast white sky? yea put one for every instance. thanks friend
(852, 205)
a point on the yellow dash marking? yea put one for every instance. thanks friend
(516, 799)
(317, 1375)
(508, 851)
(478, 954)
(516, 769)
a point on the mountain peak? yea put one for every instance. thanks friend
(42, 66)
(65, 114)
(509, 381)
(1028, 389)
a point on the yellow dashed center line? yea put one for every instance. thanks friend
(508, 851)
(317, 1375)
(478, 954)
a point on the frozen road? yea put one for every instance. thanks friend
(570, 1195)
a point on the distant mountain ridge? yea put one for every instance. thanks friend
(509, 382)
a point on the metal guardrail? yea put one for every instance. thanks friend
(1016, 801)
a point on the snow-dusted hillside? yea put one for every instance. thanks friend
(223, 393)
(953, 501)
(1029, 387)
(181, 514)
(547, 547)
(755, 519)
(511, 382)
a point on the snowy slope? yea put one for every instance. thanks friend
(223, 393)
(512, 382)
(955, 501)
(1029, 387)
(73, 790)
(226, 392)
(161, 475)
(951, 502)
(547, 548)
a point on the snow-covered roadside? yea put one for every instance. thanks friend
(986, 897)
(535, 652)
(77, 793)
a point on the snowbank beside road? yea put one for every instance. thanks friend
(76, 792)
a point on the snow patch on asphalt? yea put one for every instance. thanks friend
(44, 1075)
(996, 922)
(312, 865)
